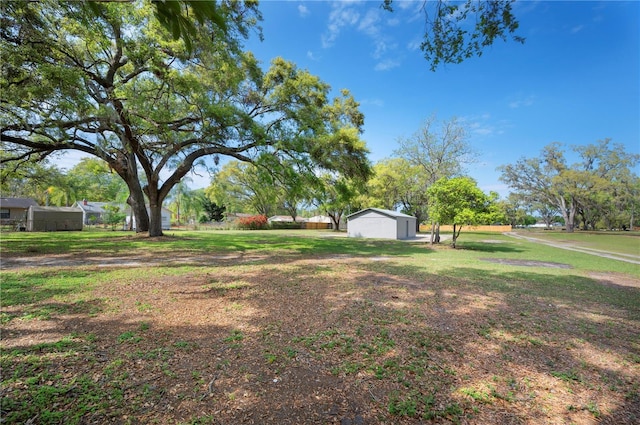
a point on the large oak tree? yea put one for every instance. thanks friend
(588, 188)
(110, 81)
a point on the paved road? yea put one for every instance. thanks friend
(628, 258)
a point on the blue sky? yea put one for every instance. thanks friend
(575, 80)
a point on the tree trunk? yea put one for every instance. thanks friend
(572, 216)
(335, 218)
(126, 167)
(418, 220)
(155, 207)
(454, 237)
(568, 213)
(155, 225)
(139, 212)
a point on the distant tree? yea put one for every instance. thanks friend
(516, 210)
(214, 212)
(245, 187)
(29, 179)
(384, 187)
(455, 31)
(458, 201)
(95, 181)
(113, 216)
(581, 189)
(338, 196)
(440, 149)
(548, 213)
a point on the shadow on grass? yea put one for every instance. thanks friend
(349, 337)
(488, 247)
(33, 287)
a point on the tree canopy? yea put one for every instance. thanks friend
(455, 31)
(110, 81)
(459, 201)
(596, 188)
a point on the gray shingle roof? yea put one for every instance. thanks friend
(24, 203)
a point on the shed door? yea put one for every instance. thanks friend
(407, 235)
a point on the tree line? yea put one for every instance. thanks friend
(426, 177)
(156, 90)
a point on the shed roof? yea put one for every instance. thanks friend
(17, 203)
(388, 213)
(58, 209)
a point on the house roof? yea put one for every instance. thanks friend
(285, 218)
(92, 207)
(319, 219)
(98, 207)
(388, 213)
(23, 203)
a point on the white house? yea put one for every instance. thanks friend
(165, 219)
(93, 212)
(379, 223)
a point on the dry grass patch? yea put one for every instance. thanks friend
(302, 340)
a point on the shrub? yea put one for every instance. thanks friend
(254, 222)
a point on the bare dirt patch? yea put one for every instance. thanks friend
(336, 340)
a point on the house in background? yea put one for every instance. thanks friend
(14, 210)
(52, 219)
(92, 212)
(130, 220)
(379, 223)
(285, 219)
(319, 222)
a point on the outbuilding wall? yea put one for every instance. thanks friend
(52, 219)
(406, 227)
(372, 224)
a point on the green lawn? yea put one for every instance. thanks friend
(233, 326)
(615, 242)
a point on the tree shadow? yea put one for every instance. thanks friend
(313, 336)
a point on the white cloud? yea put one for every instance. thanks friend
(369, 24)
(414, 44)
(342, 15)
(483, 125)
(303, 10)
(386, 65)
(522, 102)
(312, 56)
(367, 20)
(373, 102)
(393, 22)
(577, 29)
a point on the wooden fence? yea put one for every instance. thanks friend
(426, 228)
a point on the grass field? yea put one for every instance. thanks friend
(305, 327)
(616, 242)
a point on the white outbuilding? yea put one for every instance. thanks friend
(379, 223)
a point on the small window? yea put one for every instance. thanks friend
(5, 213)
